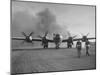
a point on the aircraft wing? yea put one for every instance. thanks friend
(91, 38)
(36, 39)
(65, 40)
(81, 39)
(39, 40)
(18, 38)
(49, 40)
(77, 39)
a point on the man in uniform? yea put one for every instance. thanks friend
(79, 47)
(87, 44)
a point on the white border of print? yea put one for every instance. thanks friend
(5, 36)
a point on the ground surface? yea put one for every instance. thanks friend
(44, 60)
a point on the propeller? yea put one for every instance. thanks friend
(82, 34)
(27, 37)
(39, 36)
(87, 34)
(31, 33)
(74, 36)
(69, 34)
(84, 37)
(46, 33)
(24, 34)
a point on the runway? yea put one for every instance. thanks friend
(50, 60)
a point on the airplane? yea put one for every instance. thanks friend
(57, 39)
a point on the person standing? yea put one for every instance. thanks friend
(87, 45)
(79, 47)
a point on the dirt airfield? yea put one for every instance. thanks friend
(50, 60)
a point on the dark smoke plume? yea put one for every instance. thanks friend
(42, 22)
(47, 22)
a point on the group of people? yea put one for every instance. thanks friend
(79, 47)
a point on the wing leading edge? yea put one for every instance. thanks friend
(66, 40)
(18, 38)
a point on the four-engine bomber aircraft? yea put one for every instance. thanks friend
(57, 39)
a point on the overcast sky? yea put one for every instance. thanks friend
(74, 18)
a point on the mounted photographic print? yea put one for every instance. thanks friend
(52, 37)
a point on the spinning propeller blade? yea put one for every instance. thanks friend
(87, 34)
(74, 36)
(46, 34)
(31, 33)
(82, 34)
(39, 36)
(24, 34)
(69, 34)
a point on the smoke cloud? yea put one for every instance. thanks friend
(47, 22)
(43, 21)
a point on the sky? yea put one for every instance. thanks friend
(59, 18)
